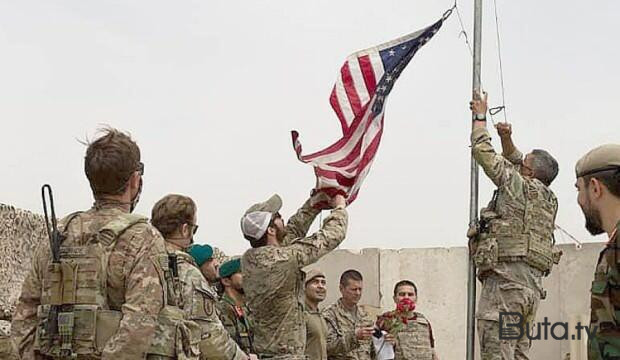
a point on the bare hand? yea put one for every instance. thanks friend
(479, 104)
(253, 357)
(364, 333)
(339, 200)
(504, 129)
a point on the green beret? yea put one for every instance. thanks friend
(200, 253)
(605, 157)
(230, 268)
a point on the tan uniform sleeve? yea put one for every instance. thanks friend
(500, 170)
(24, 322)
(308, 250)
(299, 224)
(217, 343)
(144, 299)
(340, 343)
(516, 157)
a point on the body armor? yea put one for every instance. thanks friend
(75, 317)
(510, 230)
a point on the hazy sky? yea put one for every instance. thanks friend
(211, 89)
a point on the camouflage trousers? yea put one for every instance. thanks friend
(605, 346)
(499, 295)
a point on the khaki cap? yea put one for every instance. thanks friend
(311, 274)
(272, 205)
(604, 157)
(255, 221)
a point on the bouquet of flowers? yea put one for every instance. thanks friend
(396, 320)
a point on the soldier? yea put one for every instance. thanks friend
(111, 266)
(513, 248)
(273, 280)
(318, 342)
(414, 334)
(233, 310)
(175, 218)
(598, 187)
(345, 316)
(204, 255)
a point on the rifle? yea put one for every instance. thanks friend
(55, 238)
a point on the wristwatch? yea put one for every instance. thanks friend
(480, 117)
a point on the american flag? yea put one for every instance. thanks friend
(358, 98)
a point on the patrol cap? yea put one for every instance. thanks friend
(230, 268)
(256, 219)
(604, 157)
(201, 253)
(311, 274)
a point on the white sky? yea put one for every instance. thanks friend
(211, 89)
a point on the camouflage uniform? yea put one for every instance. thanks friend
(273, 281)
(605, 304)
(237, 322)
(522, 214)
(20, 233)
(415, 340)
(134, 286)
(319, 344)
(199, 305)
(342, 321)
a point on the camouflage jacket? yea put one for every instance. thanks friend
(340, 321)
(199, 304)
(319, 344)
(131, 273)
(524, 210)
(605, 303)
(21, 232)
(415, 340)
(273, 280)
(237, 321)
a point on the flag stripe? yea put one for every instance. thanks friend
(349, 87)
(358, 99)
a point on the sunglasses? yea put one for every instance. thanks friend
(195, 228)
(140, 168)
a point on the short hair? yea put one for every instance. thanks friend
(110, 161)
(172, 211)
(610, 178)
(350, 275)
(405, 282)
(545, 167)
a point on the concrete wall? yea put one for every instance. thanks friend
(441, 277)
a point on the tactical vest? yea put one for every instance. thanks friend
(512, 232)
(415, 340)
(75, 319)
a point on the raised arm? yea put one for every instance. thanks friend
(333, 231)
(298, 224)
(495, 166)
(509, 150)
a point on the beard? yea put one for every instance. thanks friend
(593, 220)
(280, 234)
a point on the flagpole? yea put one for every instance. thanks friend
(473, 182)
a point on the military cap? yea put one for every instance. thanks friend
(604, 157)
(272, 205)
(200, 253)
(256, 219)
(311, 274)
(230, 268)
